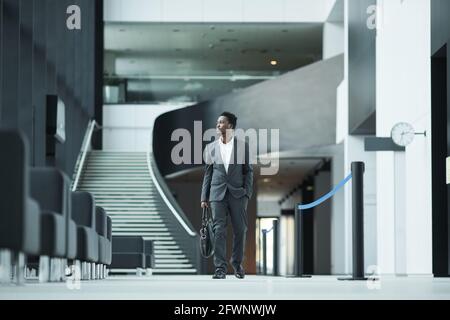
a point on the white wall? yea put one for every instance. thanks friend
(217, 10)
(322, 225)
(333, 39)
(130, 126)
(338, 215)
(404, 94)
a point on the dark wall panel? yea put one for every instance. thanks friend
(361, 69)
(98, 65)
(25, 90)
(39, 77)
(10, 61)
(51, 45)
(1, 56)
(45, 58)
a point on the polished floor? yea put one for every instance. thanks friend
(251, 288)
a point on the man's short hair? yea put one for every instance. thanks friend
(231, 118)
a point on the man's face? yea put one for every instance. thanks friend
(223, 125)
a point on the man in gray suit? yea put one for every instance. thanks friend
(227, 187)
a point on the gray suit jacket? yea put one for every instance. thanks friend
(238, 180)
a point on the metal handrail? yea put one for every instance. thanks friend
(166, 200)
(84, 148)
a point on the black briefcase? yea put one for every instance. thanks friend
(207, 234)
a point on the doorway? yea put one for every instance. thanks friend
(440, 150)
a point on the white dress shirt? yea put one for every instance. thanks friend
(225, 151)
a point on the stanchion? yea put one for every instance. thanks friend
(275, 247)
(264, 235)
(299, 255)
(358, 221)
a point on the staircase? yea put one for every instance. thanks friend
(121, 183)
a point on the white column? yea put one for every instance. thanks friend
(404, 95)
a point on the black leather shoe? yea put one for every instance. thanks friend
(219, 274)
(239, 273)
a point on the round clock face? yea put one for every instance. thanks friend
(402, 134)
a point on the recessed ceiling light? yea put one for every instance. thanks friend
(266, 180)
(273, 62)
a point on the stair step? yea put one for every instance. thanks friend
(174, 271)
(167, 261)
(129, 208)
(107, 169)
(139, 225)
(164, 251)
(138, 214)
(165, 242)
(121, 185)
(131, 217)
(122, 197)
(125, 199)
(168, 247)
(173, 265)
(128, 220)
(114, 177)
(118, 156)
(148, 235)
(97, 168)
(170, 256)
(123, 162)
(152, 230)
(129, 203)
(102, 190)
(112, 194)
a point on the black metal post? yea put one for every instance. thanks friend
(264, 235)
(299, 254)
(275, 247)
(358, 221)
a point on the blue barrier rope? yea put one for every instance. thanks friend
(327, 196)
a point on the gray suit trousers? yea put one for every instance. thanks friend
(237, 210)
